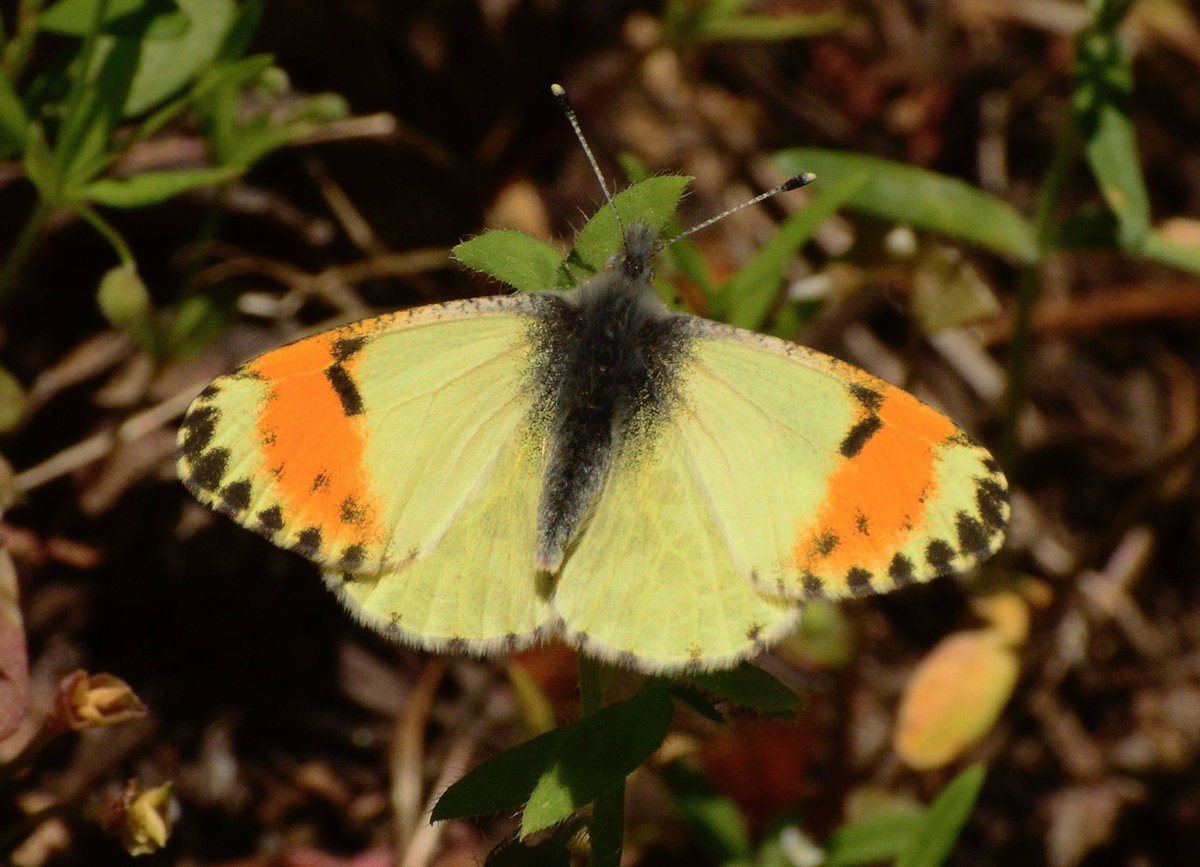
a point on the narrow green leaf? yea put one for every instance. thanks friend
(40, 168)
(1181, 256)
(750, 687)
(168, 65)
(713, 821)
(154, 19)
(597, 753)
(769, 27)
(651, 202)
(923, 199)
(502, 782)
(934, 838)
(81, 147)
(1100, 105)
(520, 260)
(869, 841)
(14, 122)
(753, 289)
(152, 188)
(241, 31)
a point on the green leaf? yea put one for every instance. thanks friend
(520, 260)
(934, 838)
(1182, 256)
(926, 200)
(81, 147)
(652, 202)
(752, 291)
(241, 31)
(502, 782)
(152, 188)
(1107, 14)
(1100, 105)
(152, 19)
(768, 27)
(597, 753)
(40, 168)
(750, 687)
(14, 122)
(714, 822)
(869, 841)
(167, 65)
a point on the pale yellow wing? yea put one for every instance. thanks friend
(397, 448)
(826, 480)
(651, 582)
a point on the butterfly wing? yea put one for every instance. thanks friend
(651, 582)
(394, 450)
(827, 481)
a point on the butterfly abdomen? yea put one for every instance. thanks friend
(605, 357)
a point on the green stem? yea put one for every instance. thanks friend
(22, 249)
(1066, 149)
(607, 827)
(109, 234)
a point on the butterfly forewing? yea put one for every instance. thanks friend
(828, 481)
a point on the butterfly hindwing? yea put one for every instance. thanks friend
(828, 481)
(651, 582)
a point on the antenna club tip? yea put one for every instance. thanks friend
(557, 90)
(801, 180)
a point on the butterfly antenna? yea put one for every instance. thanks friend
(801, 180)
(564, 104)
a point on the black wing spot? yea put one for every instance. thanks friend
(753, 631)
(991, 499)
(972, 537)
(209, 468)
(352, 558)
(867, 396)
(826, 543)
(813, 586)
(353, 512)
(199, 428)
(210, 391)
(319, 483)
(236, 495)
(991, 466)
(939, 554)
(270, 520)
(862, 523)
(859, 435)
(859, 581)
(346, 348)
(308, 542)
(901, 571)
(345, 389)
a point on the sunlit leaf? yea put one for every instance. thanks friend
(514, 258)
(651, 202)
(869, 841)
(152, 188)
(922, 199)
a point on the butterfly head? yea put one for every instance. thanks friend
(640, 245)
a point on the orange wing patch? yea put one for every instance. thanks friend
(877, 495)
(312, 434)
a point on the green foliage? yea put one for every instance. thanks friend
(749, 687)
(934, 836)
(727, 21)
(130, 68)
(513, 258)
(564, 770)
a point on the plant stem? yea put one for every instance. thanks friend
(607, 827)
(109, 234)
(22, 249)
(1066, 149)
(16, 53)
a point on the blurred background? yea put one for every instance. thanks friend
(1006, 222)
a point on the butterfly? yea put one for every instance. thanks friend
(659, 490)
